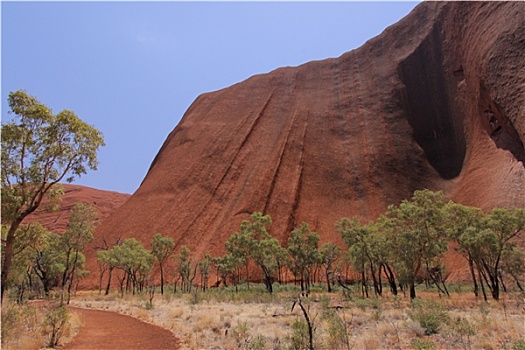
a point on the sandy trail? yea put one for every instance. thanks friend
(106, 330)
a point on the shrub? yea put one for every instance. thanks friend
(257, 343)
(429, 314)
(338, 333)
(55, 323)
(420, 344)
(462, 327)
(299, 338)
(519, 345)
(10, 317)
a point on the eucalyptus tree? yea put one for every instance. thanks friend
(416, 234)
(22, 276)
(329, 254)
(135, 260)
(358, 240)
(225, 267)
(265, 249)
(204, 271)
(460, 219)
(513, 263)
(108, 258)
(184, 268)
(304, 253)
(79, 233)
(493, 243)
(239, 245)
(162, 247)
(49, 261)
(39, 150)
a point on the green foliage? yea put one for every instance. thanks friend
(338, 331)
(56, 322)
(49, 260)
(29, 237)
(257, 343)
(423, 344)
(38, 151)
(253, 242)
(135, 260)
(184, 268)
(416, 234)
(429, 314)
(329, 253)
(519, 345)
(204, 270)
(162, 247)
(464, 329)
(489, 243)
(82, 221)
(298, 339)
(10, 317)
(303, 249)
(18, 321)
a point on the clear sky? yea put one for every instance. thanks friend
(132, 69)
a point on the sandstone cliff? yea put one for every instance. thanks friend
(106, 202)
(436, 101)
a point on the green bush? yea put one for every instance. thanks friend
(10, 318)
(257, 343)
(55, 323)
(337, 332)
(463, 328)
(420, 344)
(429, 314)
(519, 345)
(299, 338)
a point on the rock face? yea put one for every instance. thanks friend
(106, 202)
(436, 101)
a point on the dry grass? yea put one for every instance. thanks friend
(23, 326)
(385, 323)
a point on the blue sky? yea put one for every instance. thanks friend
(132, 69)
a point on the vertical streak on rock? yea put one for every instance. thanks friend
(245, 139)
(199, 215)
(365, 148)
(299, 180)
(279, 161)
(254, 124)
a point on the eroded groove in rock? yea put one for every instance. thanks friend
(277, 167)
(297, 183)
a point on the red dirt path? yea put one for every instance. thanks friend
(106, 330)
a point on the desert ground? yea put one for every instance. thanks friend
(225, 319)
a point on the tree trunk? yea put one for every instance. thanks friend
(391, 279)
(102, 272)
(161, 280)
(109, 280)
(7, 256)
(309, 323)
(517, 281)
(364, 287)
(328, 281)
(412, 290)
(374, 280)
(471, 268)
(482, 285)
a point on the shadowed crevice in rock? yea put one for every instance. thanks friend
(427, 106)
(499, 127)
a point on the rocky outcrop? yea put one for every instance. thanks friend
(105, 202)
(435, 101)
